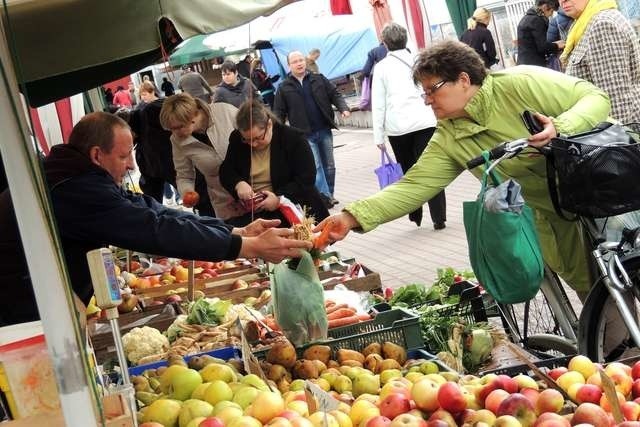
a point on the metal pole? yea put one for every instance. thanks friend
(74, 377)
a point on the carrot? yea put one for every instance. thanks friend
(322, 241)
(335, 307)
(343, 321)
(364, 317)
(343, 312)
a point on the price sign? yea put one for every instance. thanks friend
(251, 364)
(320, 399)
(610, 391)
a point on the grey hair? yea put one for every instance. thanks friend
(394, 36)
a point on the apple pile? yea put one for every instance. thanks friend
(369, 394)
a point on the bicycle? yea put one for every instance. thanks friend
(618, 265)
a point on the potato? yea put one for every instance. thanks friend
(352, 363)
(343, 355)
(305, 369)
(372, 362)
(373, 348)
(388, 364)
(395, 352)
(318, 352)
(333, 364)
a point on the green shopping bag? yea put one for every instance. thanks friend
(298, 300)
(503, 248)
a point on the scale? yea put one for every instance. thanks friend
(108, 298)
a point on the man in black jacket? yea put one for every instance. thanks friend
(533, 47)
(306, 100)
(93, 211)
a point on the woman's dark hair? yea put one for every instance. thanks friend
(95, 129)
(553, 4)
(394, 36)
(254, 113)
(229, 67)
(447, 59)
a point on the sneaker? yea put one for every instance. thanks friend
(326, 200)
(333, 201)
(439, 225)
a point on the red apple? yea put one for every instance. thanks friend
(207, 265)
(606, 405)
(394, 405)
(190, 199)
(378, 421)
(212, 271)
(211, 422)
(518, 406)
(531, 394)
(450, 398)
(508, 384)
(629, 424)
(635, 370)
(173, 298)
(549, 400)
(631, 411)
(589, 393)
(239, 284)
(623, 382)
(438, 423)
(550, 419)
(443, 416)
(289, 414)
(635, 388)
(556, 372)
(494, 399)
(590, 413)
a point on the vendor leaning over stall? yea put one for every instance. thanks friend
(477, 110)
(93, 211)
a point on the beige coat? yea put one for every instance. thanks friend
(189, 154)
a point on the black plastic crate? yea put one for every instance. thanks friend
(544, 365)
(470, 307)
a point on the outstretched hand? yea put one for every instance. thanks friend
(541, 139)
(273, 245)
(258, 227)
(341, 224)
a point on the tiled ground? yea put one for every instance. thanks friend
(401, 252)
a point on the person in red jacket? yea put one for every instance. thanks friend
(122, 98)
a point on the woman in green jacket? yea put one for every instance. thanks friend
(476, 111)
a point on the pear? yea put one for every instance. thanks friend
(282, 353)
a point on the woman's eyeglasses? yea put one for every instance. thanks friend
(254, 139)
(433, 89)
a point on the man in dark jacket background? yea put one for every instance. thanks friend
(92, 211)
(533, 47)
(306, 99)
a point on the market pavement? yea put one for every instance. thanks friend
(400, 251)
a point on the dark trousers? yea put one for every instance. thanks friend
(204, 206)
(154, 187)
(407, 148)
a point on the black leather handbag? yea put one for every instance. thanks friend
(595, 174)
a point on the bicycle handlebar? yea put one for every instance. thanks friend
(508, 149)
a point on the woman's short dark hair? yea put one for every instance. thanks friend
(253, 113)
(95, 129)
(447, 59)
(553, 4)
(394, 36)
(229, 67)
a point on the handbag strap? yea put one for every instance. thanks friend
(485, 175)
(383, 155)
(553, 189)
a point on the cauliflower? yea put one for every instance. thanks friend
(143, 342)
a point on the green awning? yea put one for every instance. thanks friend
(193, 50)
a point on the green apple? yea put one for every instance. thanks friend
(296, 385)
(386, 376)
(218, 371)
(191, 409)
(366, 383)
(245, 396)
(429, 367)
(184, 383)
(196, 422)
(218, 407)
(218, 391)
(167, 377)
(163, 411)
(198, 393)
(254, 381)
(342, 384)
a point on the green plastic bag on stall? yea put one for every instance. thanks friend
(504, 249)
(298, 300)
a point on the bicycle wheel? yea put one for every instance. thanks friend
(546, 324)
(603, 336)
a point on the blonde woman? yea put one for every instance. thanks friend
(479, 37)
(199, 139)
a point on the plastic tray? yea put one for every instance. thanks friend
(398, 326)
(225, 353)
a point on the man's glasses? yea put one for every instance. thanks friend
(433, 89)
(259, 138)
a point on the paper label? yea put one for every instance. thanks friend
(323, 401)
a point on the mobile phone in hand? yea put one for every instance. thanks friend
(531, 123)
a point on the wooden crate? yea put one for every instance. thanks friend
(371, 282)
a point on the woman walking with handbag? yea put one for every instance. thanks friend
(399, 112)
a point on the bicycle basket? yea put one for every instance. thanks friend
(595, 174)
